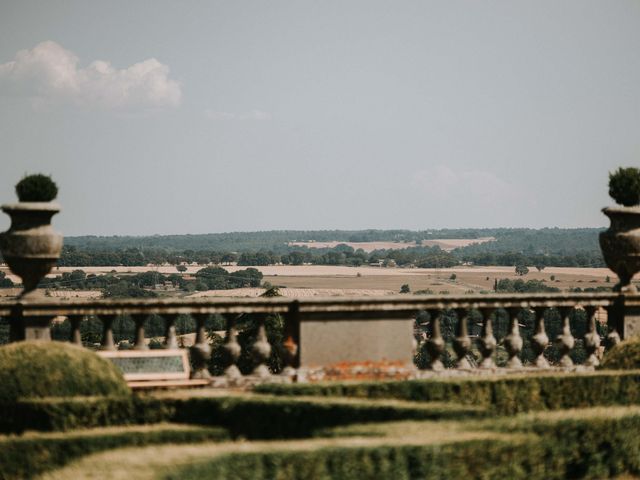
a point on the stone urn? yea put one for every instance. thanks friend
(621, 245)
(31, 247)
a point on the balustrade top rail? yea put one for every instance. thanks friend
(396, 306)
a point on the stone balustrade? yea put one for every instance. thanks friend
(384, 327)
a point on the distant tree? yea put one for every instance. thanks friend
(405, 288)
(552, 278)
(521, 270)
(540, 267)
(181, 268)
(453, 277)
(608, 279)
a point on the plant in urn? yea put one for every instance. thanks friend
(31, 247)
(621, 243)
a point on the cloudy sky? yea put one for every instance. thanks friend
(193, 117)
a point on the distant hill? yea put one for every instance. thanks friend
(557, 241)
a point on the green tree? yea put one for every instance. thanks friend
(405, 288)
(521, 270)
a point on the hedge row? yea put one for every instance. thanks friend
(67, 413)
(577, 447)
(29, 455)
(272, 417)
(501, 394)
(254, 416)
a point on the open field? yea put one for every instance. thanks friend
(326, 280)
(445, 244)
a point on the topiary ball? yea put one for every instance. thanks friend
(624, 356)
(55, 369)
(624, 186)
(36, 188)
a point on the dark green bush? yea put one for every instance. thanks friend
(28, 455)
(624, 186)
(501, 394)
(624, 356)
(45, 369)
(36, 188)
(576, 445)
(273, 417)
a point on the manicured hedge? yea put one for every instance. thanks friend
(505, 394)
(255, 416)
(28, 455)
(55, 369)
(66, 413)
(576, 447)
(624, 356)
(272, 417)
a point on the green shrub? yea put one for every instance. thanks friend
(272, 417)
(624, 356)
(503, 394)
(579, 444)
(624, 186)
(36, 188)
(44, 369)
(28, 455)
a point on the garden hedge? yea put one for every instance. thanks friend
(28, 455)
(55, 369)
(624, 356)
(503, 394)
(268, 417)
(579, 446)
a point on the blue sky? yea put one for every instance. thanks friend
(173, 117)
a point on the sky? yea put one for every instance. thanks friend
(159, 117)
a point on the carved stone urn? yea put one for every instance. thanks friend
(31, 247)
(620, 245)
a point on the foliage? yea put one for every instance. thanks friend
(624, 356)
(268, 417)
(405, 288)
(34, 369)
(506, 285)
(624, 186)
(36, 188)
(501, 394)
(521, 269)
(26, 456)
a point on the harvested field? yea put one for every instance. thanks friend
(296, 292)
(445, 244)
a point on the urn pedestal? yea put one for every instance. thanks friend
(31, 248)
(620, 245)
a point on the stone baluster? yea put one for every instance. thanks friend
(291, 340)
(435, 344)
(170, 338)
(613, 337)
(107, 332)
(231, 349)
(513, 340)
(487, 342)
(591, 338)
(540, 339)
(200, 351)
(139, 320)
(462, 342)
(74, 336)
(565, 340)
(261, 349)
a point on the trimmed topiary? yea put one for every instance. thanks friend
(624, 186)
(624, 356)
(36, 188)
(55, 369)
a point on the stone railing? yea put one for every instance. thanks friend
(379, 332)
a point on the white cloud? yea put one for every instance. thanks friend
(255, 115)
(48, 73)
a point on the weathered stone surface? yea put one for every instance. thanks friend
(334, 341)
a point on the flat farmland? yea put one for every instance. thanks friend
(328, 280)
(447, 244)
